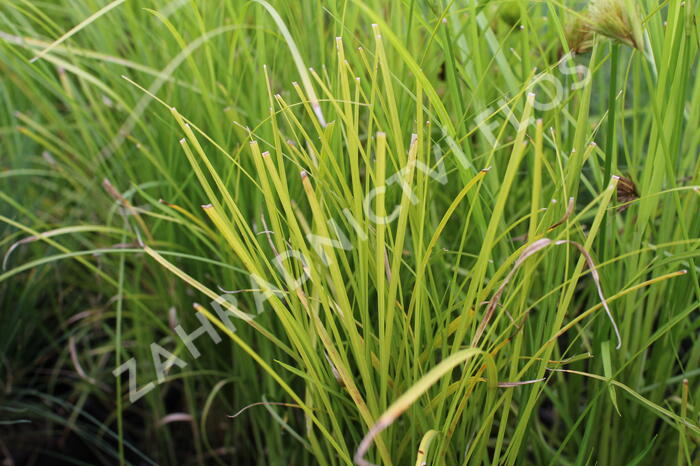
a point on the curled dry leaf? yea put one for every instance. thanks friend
(567, 214)
(174, 417)
(529, 251)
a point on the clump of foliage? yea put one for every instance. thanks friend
(402, 231)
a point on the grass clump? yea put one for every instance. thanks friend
(392, 227)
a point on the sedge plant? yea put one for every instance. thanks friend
(404, 231)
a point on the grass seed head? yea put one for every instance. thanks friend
(618, 20)
(579, 36)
